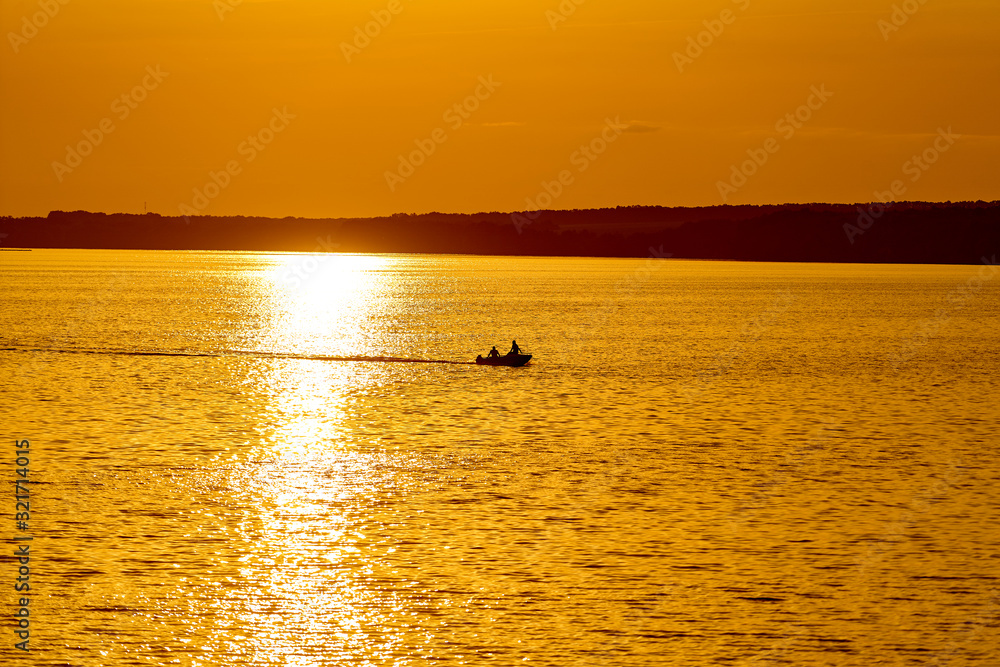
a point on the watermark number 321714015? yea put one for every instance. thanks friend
(22, 543)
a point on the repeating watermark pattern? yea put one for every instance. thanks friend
(122, 107)
(363, 35)
(971, 630)
(562, 13)
(956, 299)
(897, 529)
(249, 149)
(816, 442)
(855, 575)
(223, 7)
(899, 17)
(624, 289)
(750, 333)
(31, 25)
(22, 542)
(82, 309)
(455, 116)
(714, 28)
(874, 211)
(786, 126)
(915, 167)
(581, 158)
(778, 648)
(875, 552)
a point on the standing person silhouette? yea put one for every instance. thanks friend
(514, 349)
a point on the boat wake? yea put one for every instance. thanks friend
(234, 353)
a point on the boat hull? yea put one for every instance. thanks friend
(508, 360)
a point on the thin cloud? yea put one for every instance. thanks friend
(639, 126)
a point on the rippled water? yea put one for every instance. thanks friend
(236, 461)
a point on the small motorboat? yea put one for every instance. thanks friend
(509, 359)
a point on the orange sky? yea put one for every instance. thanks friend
(330, 114)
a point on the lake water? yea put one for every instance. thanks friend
(704, 463)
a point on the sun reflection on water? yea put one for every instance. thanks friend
(316, 564)
(313, 563)
(322, 307)
(324, 304)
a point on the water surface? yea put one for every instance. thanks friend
(237, 460)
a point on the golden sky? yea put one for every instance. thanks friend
(287, 107)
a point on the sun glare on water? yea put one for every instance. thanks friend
(312, 311)
(323, 304)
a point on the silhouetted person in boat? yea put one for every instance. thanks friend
(493, 353)
(514, 349)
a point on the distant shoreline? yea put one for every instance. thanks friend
(900, 233)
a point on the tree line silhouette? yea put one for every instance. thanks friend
(904, 232)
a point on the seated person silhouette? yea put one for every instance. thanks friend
(493, 353)
(514, 349)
